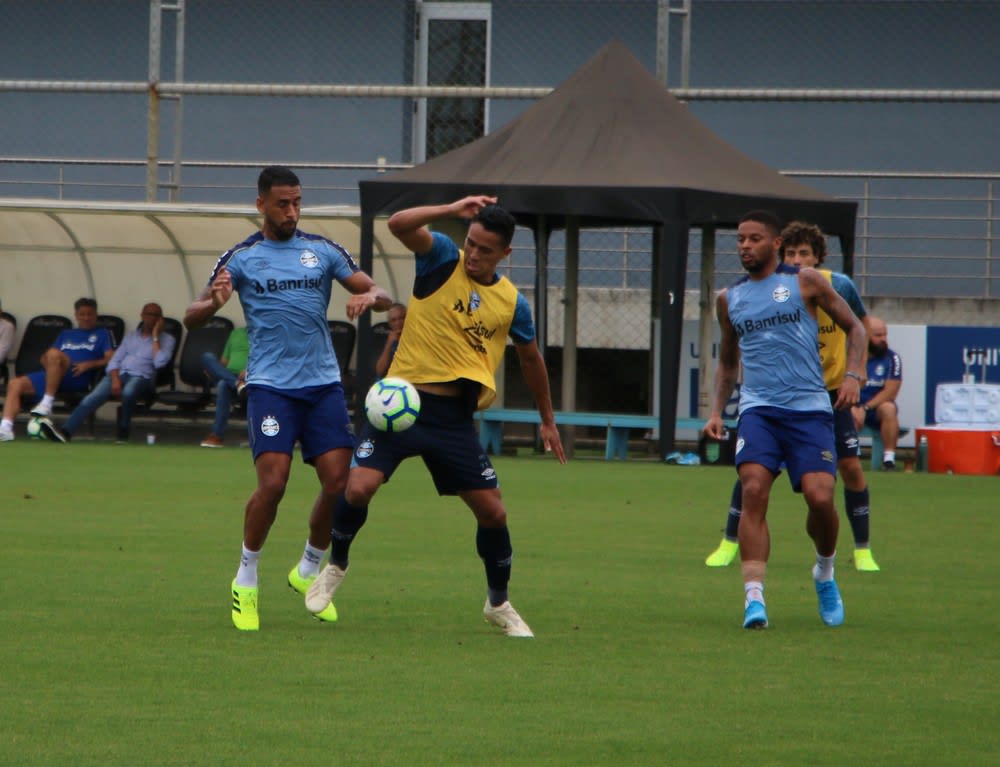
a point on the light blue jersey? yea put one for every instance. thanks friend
(777, 337)
(284, 287)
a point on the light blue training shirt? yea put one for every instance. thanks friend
(778, 344)
(285, 287)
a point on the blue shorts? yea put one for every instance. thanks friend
(871, 418)
(69, 382)
(802, 441)
(845, 432)
(444, 435)
(315, 416)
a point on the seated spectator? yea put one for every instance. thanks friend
(229, 371)
(396, 316)
(70, 365)
(877, 408)
(7, 332)
(131, 375)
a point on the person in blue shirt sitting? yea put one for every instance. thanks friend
(70, 365)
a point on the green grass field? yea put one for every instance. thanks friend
(117, 647)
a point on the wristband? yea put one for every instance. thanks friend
(156, 339)
(852, 374)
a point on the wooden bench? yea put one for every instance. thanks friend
(617, 425)
(877, 445)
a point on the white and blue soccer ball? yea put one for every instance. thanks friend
(392, 404)
(34, 428)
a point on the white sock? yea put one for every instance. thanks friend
(754, 591)
(823, 571)
(247, 574)
(7, 425)
(311, 557)
(889, 455)
(47, 401)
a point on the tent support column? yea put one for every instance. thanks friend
(542, 232)
(365, 372)
(706, 321)
(670, 244)
(570, 312)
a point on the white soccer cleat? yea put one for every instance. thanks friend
(6, 436)
(41, 411)
(320, 592)
(506, 617)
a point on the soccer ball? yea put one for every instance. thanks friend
(392, 404)
(34, 429)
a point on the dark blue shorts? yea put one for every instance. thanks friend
(315, 416)
(444, 435)
(802, 441)
(845, 432)
(69, 382)
(871, 418)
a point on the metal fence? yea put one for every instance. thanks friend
(132, 100)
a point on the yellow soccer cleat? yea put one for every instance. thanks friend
(245, 616)
(301, 585)
(724, 555)
(864, 562)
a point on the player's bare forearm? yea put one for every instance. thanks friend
(372, 297)
(537, 377)
(212, 298)
(410, 226)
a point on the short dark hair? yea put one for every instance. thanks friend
(766, 217)
(81, 302)
(276, 175)
(495, 219)
(801, 233)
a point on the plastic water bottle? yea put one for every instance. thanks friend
(922, 449)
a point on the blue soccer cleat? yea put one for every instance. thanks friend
(755, 615)
(831, 606)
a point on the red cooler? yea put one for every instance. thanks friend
(961, 449)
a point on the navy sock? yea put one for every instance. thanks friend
(347, 520)
(856, 508)
(493, 546)
(735, 510)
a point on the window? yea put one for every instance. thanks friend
(453, 43)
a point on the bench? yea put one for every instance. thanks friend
(877, 446)
(617, 425)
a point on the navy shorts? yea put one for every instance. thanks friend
(69, 382)
(871, 418)
(444, 435)
(845, 432)
(802, 441)
(315, 416)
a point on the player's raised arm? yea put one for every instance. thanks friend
(410, 226)
(212, 298)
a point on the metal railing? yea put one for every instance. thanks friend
(929, 234)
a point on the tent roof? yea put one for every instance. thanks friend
(612, 146)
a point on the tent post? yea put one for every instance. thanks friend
(670, 243)
(570, 309)
(366, 356)
(541, 294)
(706, 320)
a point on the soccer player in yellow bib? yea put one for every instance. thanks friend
(803, 244)
(457, 324)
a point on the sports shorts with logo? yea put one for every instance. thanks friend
(801, 440)
(444, 435)
(314, 416)
(844, 431)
